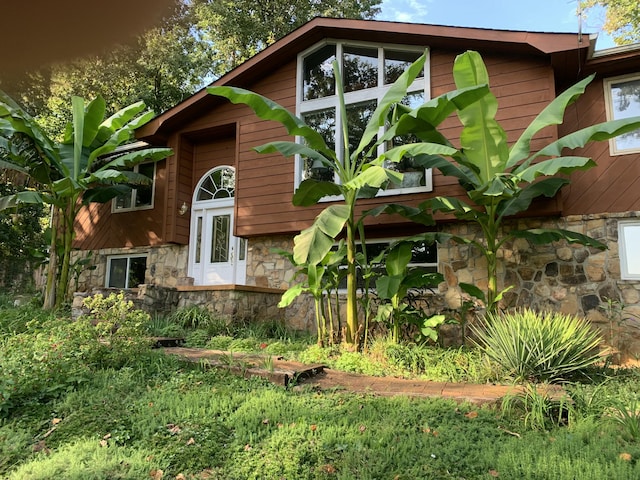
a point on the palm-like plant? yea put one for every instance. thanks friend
(360, 173)
(499, 180)
(84, 167)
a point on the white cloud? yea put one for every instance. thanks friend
(415, 11)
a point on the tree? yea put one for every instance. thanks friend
(238, 29)
(361, 174)
(84, 167)
(622, 18)
(500, 181)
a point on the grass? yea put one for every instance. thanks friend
(164, 416)
(157, 417)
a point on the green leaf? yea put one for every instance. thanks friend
(520, 202)
(310, 191)
(388, 286)
(372, 176)
(599, 132)
(129, 160)
(554, 166)
(394, 94)
(398, 258)
(27, 196)
(269, 110)
(78, 132)
(552, 114)
(417, 215)
(118, 120)
(92, 119)
(104, 194)
(483, 140)
(542, 236)
(313, 243)
(416, 149)
(472, 290)
(291, 294)
(289, 149)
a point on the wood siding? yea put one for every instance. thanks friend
(614, 184)
(97, 227)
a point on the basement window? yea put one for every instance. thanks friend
(126, 271)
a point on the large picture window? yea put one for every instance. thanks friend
(140, 197)
(622, 98)
(367, 71)
(126, 271)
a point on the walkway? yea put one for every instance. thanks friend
(284, 372)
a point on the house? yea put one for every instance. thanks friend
(206, 230)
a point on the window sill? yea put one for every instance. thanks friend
(133, 209)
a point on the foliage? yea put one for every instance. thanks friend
(535, 346)
(198, 317)
(239, 29)
(360, 173)
(499, 180)
(22, 241)
(84, 167)
(622, 19)
(120, 326)
(394, 287)
(540, 410)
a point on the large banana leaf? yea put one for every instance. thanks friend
(310, 191)
(129, 160)
(118, 120)
(288, 149)
(393, 96)
(267, 109)
(483, 140)
(313, 243)
(594, 133)
(543, 236)
(548, 187)
(554, 166)
(552, 114)
(27, 196)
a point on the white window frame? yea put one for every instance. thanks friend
(628, 248)
(609, 103)
(359, 96)
(128, 256)
(134, 193)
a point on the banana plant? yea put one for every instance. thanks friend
(83, 167)
(360, 173)
(499, 180)
(394, 286)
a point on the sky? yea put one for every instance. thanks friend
(538, 15)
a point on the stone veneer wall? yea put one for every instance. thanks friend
(560, 277)
(557, 276)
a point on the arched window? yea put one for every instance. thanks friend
(219, 183)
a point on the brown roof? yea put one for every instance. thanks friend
(562, 48)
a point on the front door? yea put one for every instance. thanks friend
(216, 257)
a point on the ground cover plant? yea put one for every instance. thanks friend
(118, 414)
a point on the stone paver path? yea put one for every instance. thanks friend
(284, 372)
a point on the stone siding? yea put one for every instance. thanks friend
(557, 276)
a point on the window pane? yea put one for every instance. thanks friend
(123, 201)
(117, 273)
(358, 115)
(360, 68)
(319, 80)
(242, 254)
(424, 253)
(137, 269)
(220, 239)
(198, 239)
(395, 63)
(625, 103)
(144, 194)
(207, 190)
(324, 122)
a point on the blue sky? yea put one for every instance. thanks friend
(537, 15)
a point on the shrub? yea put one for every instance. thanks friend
(196, 317)
(535, 346)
